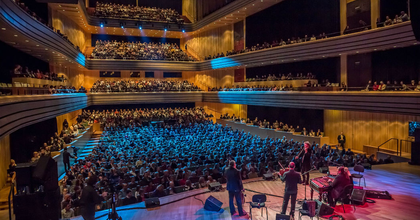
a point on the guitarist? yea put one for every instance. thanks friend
(292, 178)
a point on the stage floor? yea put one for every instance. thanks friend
(401, 180)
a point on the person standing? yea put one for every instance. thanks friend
(341, 140)
(292, 178)
(90, 198)
(66, 159)
(306, 162)
(235, 187)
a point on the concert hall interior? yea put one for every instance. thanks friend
(209, 109)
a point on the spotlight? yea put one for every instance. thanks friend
(165, 29)
(140, 27)
(183, 30)
(102, 24)
(139, 24)
(122, 24)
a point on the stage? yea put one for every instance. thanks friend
(401, 180)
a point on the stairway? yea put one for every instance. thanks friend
(92, 143)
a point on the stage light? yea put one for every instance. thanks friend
(122, 25)
(183, 30)
(102, 24)
(140, 27)
(165, 29)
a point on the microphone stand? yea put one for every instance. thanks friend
(304, 200)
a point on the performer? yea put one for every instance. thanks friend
(90, 198)
(341, 140)
(306, 162)
(337, 186)
(235, 188)
(292, 178)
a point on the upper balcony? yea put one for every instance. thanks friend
(20, 30)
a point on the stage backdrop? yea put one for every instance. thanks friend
(308, 118)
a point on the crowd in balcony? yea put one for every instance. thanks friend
(138, 51)
(143, 86)
(59, 140)
(266, 45)
(38, 18)
(112, 10)
(139, 161)
(395, 86)
(289, 76)
(20, 71)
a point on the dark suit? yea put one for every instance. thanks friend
(292, 178)
(341, 140)
(306, 164)
(66, 160)
(88, 200)
(235, 187)
(337, 187)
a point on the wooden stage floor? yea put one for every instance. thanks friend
(401, 180)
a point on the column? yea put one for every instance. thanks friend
(343, 15)
(374, 12)
(343, 69)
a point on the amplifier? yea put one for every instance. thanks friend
(212, 204)
(215, 186)
(358, 196)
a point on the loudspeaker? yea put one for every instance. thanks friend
(323, 169)
(325, 210)
(179, 189)
(41, 167)
(212, 204)
(282, 217)
(41, 205)
(415, 19)
(152, 202)
(358, 196)
(215, 186)
(268, 176)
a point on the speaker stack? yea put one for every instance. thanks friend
(38, 194)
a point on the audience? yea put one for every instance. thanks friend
(19, 71)
(143, 86)
(138, 51)
(112, 10)
(392, 87)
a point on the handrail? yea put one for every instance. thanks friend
(401, 141)
(387, 142)
(11, 193)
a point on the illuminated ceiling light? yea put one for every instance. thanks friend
(375, 49)
(64, 10)
(59, 6)
(37, 45)
(15, 35)
(3, 29)
(357, 51)
(26, 41)
(395, 46)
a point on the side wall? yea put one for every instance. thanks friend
(4, 159)
(71, 119)
(210, 78)
(210, 42)
(217, 109)
(365, 128)
(74, 33)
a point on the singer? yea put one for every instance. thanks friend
(306, 162)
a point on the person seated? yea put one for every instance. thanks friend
(304, 132)
(403, 87)
(388, 21)
(319, 133)
(67, 212)
(412, 85)
(159, 191)
(368, 86)
(417, 89)
(382, 86)
(337, 186)
(375, 86)
(312, 133)
(35, 157)
(404, 17)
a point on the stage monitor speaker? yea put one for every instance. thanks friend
(212, 204)
(179, 189)
(323, 169)
(46, 174)
(325, 210)
(268, 176)
(152, 202)
(215, 186)
(415, 17)
(358, 196)
(282, 217)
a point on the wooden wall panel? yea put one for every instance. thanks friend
(365, 128)
(210, 78)
(73, 31)
(189, 9)
(4, 159)
(210, 42)
(218, 109)
(71, 119)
